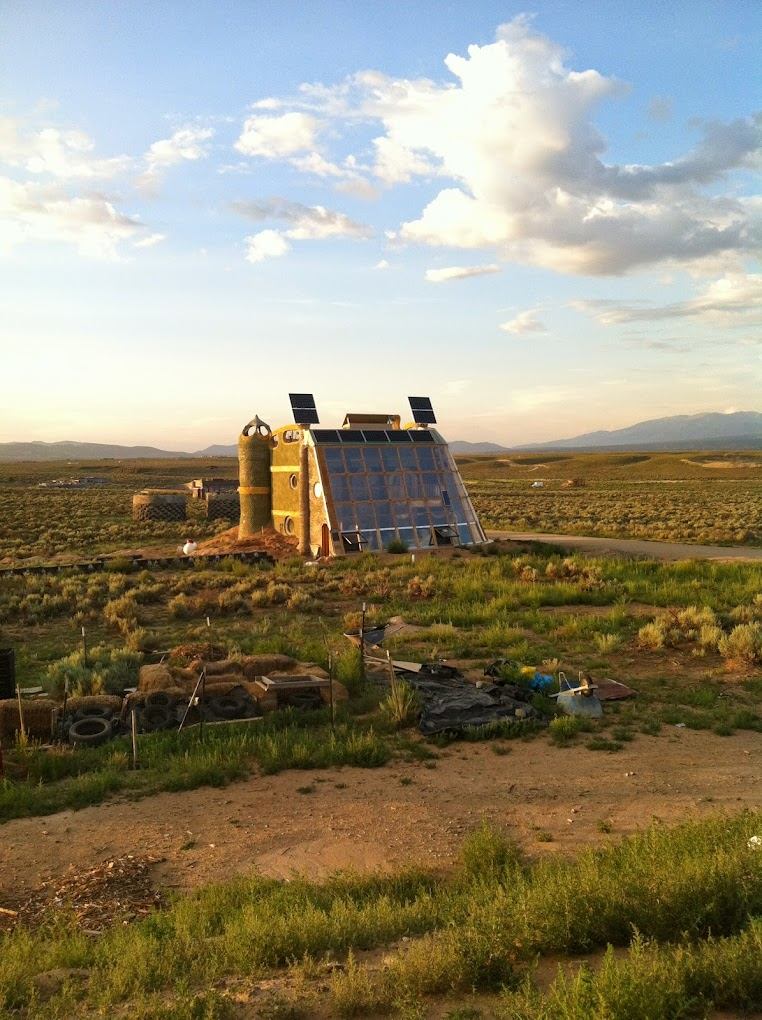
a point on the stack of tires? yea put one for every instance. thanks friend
(91, 726)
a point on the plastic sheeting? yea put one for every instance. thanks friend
(452, 704)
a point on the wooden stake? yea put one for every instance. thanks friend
(192, 699)
(134, 733)
(362, 643)
(21, 713)
(330, 689)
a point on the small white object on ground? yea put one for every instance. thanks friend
(190, 547)
(755, 843)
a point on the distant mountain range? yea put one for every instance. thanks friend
(740, 430)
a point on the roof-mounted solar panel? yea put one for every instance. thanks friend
(304, 409)
(423, 412)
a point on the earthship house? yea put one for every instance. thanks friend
(355, 488)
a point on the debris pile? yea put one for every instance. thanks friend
(451, 704)
(118, 891)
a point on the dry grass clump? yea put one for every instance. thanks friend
(741, 645)
(422, 587)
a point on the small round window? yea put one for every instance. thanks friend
(317, 490)
(293, 481)
(288, 525)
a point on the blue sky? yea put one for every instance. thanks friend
(204, 206)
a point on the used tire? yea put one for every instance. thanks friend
(227, 706)
(305, 699)
(90, 731)
(159, 699)
(93, 712)
(155, 717)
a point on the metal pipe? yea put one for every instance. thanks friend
(304, 500)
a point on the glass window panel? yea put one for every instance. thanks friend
(421, 515)
(424, 537)
(384, 514)
(390, 458)
(373, 458)
(353, 457)
(395, 486)
(431, 486)
(371, 540)
(426, 458)
(345, 516)
(334, 460)
(446, 497)
(402, 515)
(377, 485)
(464, 534)
(414, 486)
(457, 509)
(340, 486)
(359, 485)
(365, 516)
(408, 535)
(408, 456)
(439, 515)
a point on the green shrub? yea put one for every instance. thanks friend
(401, 706)
(742, 644)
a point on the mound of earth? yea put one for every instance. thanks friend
(269, 541)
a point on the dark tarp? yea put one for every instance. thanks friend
(449, 703)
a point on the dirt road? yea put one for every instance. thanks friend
(636, 547)
(549, 799)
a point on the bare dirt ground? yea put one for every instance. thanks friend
(318, 821)
(635, 546)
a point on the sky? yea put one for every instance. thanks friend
(547, 218)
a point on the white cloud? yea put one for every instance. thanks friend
(382, 264)
(267, 244)
(61, 154)
(459, 273)
(35, 212)
(513, 136)
(307, 222)
(734, 296)
(187, 143)
(524, 322)
(276, 137)
(150, 241)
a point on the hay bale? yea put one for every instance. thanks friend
(220, 689)
(38, 718)
(340, 693)
(155, 678)
(222, 666)
(110, 701)
(260, 665)
(312, 668)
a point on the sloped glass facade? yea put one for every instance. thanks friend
(384, 485)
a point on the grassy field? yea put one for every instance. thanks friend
(693, 946)
(686, 497)
(682, 907)
(690, 497)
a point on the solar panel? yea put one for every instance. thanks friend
(424, 436)
(399, 436)
(325, 435)
(304, 409)
(423, 412)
